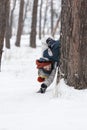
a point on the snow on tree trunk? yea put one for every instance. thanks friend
(74, 42)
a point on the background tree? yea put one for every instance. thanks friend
(74, 42)
(11, 17)
(3, 10)
(52, 16)
(7, 33)
(56, 25)
(25, 11)
(45, 17)
(33, 25)
(40, 19)
(20, 23)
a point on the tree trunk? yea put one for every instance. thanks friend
(45, 17)
(56, 26)
(3, 10)
(7, 33)
(74, 42)
(33, 25)
(40, 20)
(11, 18)
(20, 23)
(52, 16)
(25, 11)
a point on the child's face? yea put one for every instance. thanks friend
(47, 67)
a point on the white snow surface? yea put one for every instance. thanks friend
(22, 108)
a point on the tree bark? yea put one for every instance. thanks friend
(74, 42)
(7, 33)
(40, 20)
(33, 25)
(3, 10)
(20, 23)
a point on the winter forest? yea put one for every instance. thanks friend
(24, 26)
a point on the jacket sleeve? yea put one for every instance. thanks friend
(55, 52)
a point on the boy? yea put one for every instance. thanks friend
(48, 63)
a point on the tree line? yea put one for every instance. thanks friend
(35, 7)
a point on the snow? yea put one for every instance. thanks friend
(21, 108)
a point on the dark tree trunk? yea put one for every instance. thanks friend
(33, 26)
(40, 20)
(3, 10)
(74, 42)
(20, 23)
(7, 33)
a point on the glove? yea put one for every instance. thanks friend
(50, 42)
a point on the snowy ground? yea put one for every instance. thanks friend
(21, 108)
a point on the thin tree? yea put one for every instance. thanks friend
(20, 23)
(52, 14)
(56, 25)
(3, 10)
(7, 33)
(40, 19)
(25, 11)
(45, 17)
(11, 18)
(34, 25)
(74, 42)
